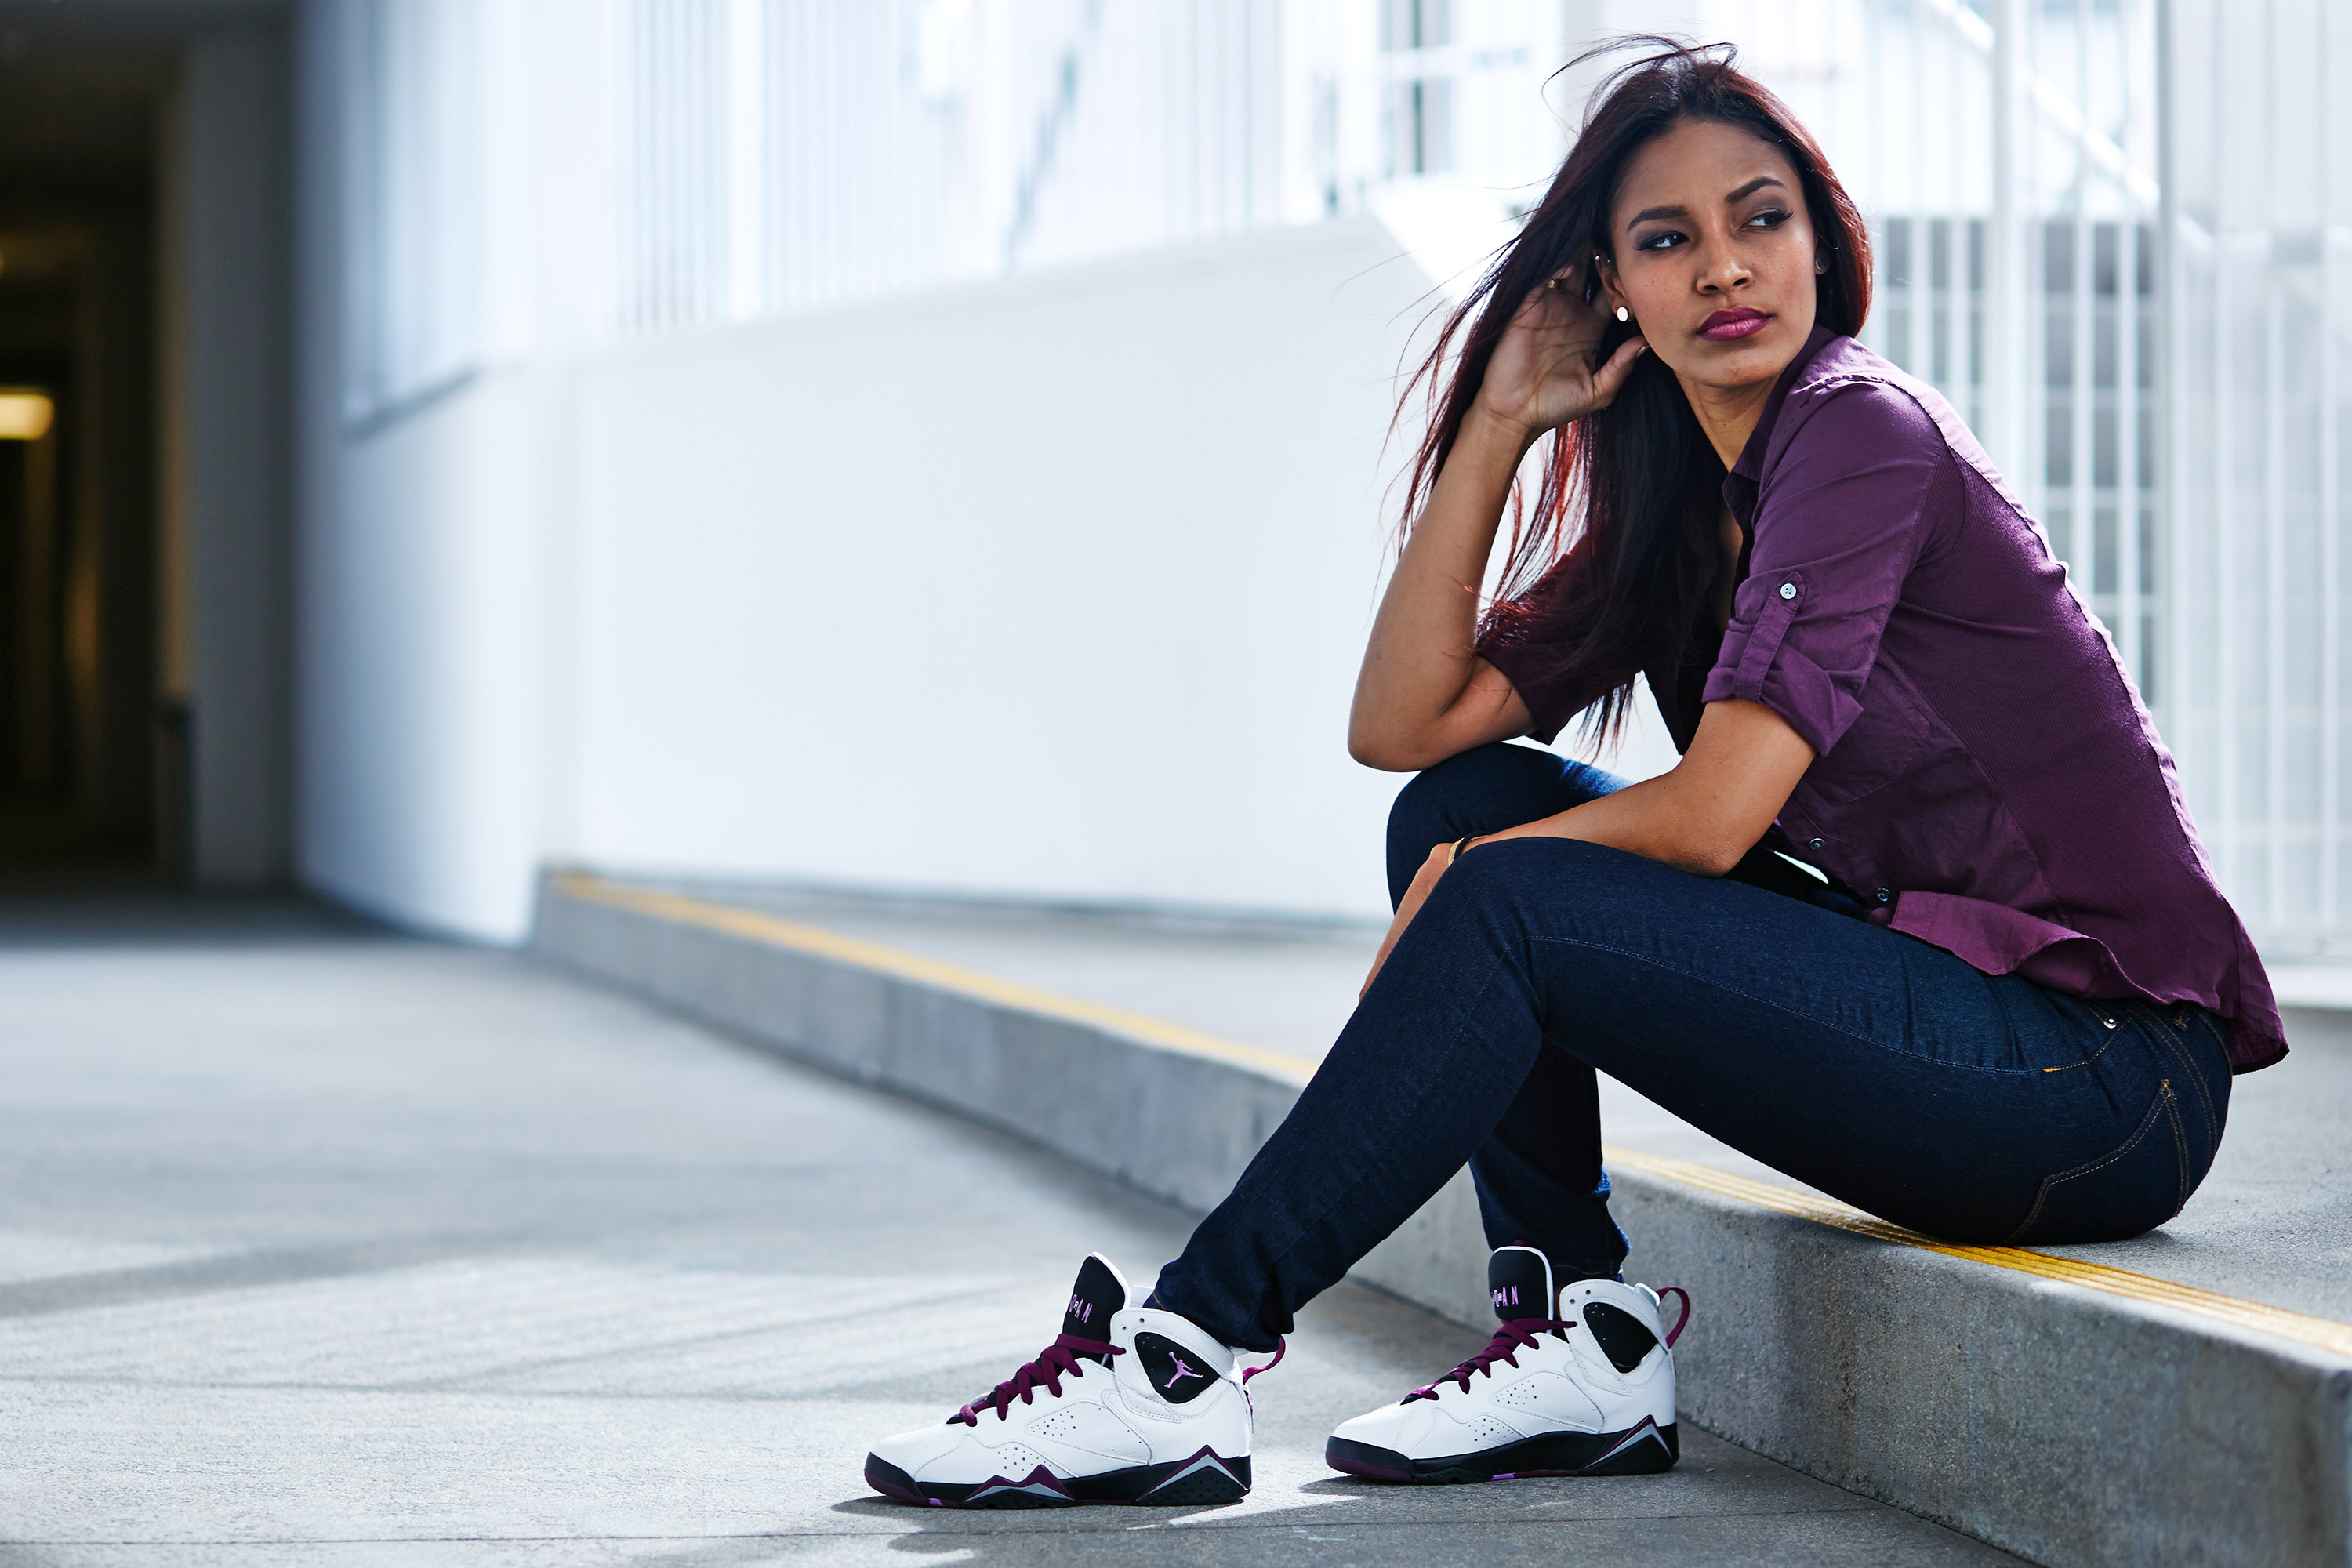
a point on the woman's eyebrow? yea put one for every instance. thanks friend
(1742, 194)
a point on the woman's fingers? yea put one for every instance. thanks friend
(1610, 376)
(1414, 897)
(1396, 928)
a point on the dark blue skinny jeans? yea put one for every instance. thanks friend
(1970, 1107)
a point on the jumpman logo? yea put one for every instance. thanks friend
(1181, 1373)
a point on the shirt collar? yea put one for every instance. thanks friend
(1750, 466)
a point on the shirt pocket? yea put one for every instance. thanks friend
(1890, 739)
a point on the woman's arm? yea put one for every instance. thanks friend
(1701, 817)
(1424, 694)
(1711, 810)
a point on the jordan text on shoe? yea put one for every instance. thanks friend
(1577, 1382)
(1129, 1404)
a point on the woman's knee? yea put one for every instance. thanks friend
(1485, 789)
(1448, 800)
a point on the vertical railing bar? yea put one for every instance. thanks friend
(678, 170)
(1197, 181)
(630, 79)
(774, 174)
(820, 159)
(2197, 735)
(2225, 498)
(1929, 302)
(689, 174)
(2274, 521)
(2331, 479)
(2166, 381)
(2084, 501)
(2128, 499)
(1175, 119)
(659, 189)
(1967, 283)
(1234, 112)
(683, 177)
(657, 182)
(2001, 300)
(699, 110)
(885, 202)
(1220, 126)
(801, 217)
(2034, 334)
(1973, 319)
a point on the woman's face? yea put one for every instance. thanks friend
(1714, 253)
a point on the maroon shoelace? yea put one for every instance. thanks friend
(1513, 1337)
(1061, 1356)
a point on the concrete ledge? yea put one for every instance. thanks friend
(2071, 1414)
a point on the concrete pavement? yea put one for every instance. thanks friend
(318, 1246)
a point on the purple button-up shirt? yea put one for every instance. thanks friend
(1985, 777)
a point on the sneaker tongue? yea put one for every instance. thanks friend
(1098, 1293)
(1519, 1280)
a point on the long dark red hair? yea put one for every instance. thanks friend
(1623, 520)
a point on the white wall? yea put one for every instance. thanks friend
(421, 557)
(421, 569)
(1052, 586)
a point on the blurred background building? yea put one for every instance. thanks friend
(941, 445)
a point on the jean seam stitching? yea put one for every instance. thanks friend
(2179, 1150)
(1779, 1007)
(2180, 1049)
(2050, 1183)
(2197, 1080)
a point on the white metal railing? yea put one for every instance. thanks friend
(2116, 233)
(2259, 189)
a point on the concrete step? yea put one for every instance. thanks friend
(2046, 1401)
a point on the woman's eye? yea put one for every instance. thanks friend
(1659, 241)
(1769, 218)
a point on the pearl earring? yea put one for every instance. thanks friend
(1623, 314)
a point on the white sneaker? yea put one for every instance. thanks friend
(1149, 1412)
(1586, 1391)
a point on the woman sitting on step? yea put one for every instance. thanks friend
(1919, 919)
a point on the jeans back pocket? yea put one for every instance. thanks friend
(2123, 1194)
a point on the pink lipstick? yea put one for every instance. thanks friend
(1726, 325)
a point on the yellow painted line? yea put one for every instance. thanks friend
(2323, 1333)
(928, 972)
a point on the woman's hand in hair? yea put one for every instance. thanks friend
(1542, 374)
(1424, 694)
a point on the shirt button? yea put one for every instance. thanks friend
(1886, 896)
(1788, 590)
(1817, 844)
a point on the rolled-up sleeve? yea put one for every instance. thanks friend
(1525, 648)
(1842, 513)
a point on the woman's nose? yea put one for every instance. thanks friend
(1720, 265)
